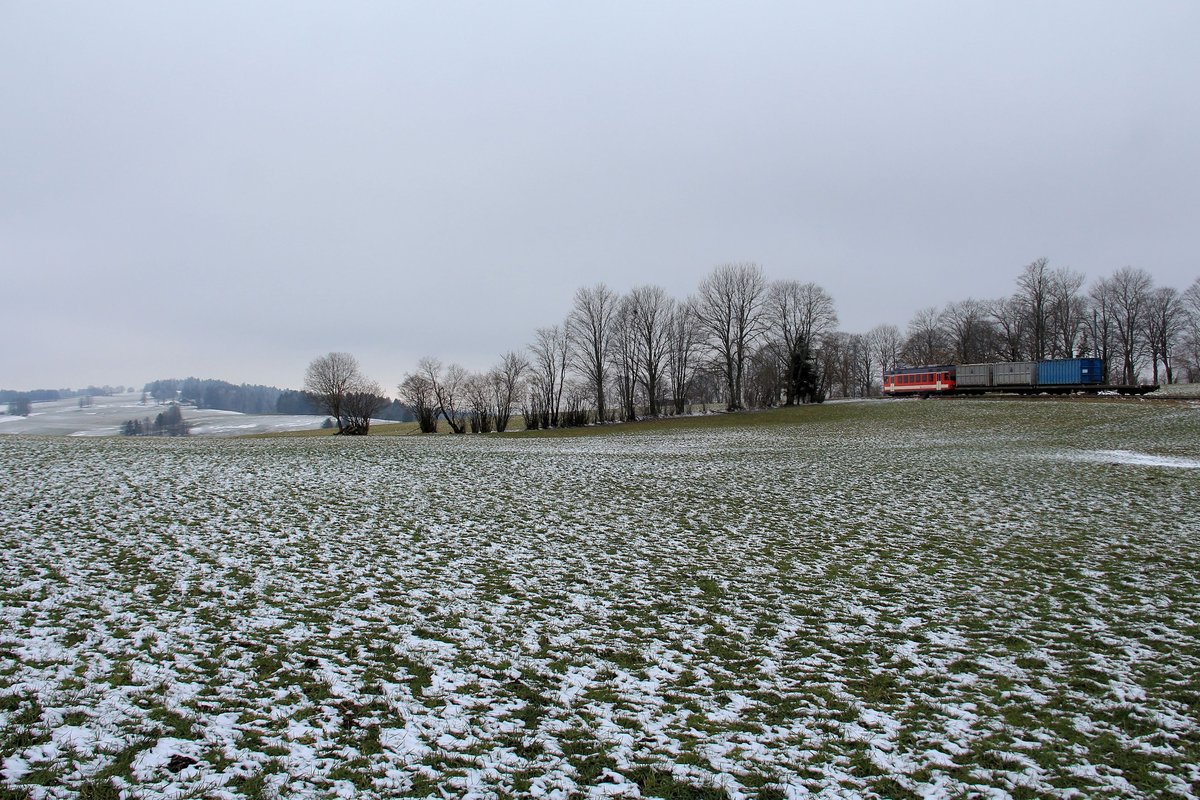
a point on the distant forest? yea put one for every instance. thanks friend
(209, 393)
(50, 395)
(248, 398)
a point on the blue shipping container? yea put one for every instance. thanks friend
(1067, 371)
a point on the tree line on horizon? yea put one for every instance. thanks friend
(246, 398)
(20, 403)
(743, 341)
(739, 341)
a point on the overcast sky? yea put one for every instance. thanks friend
(229, 189)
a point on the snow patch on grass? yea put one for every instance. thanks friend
(1134, 459)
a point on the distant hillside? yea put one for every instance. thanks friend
(50, 395)
(247, 398)
(106, 415)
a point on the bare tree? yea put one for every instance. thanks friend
(864, 363)
(448, 392)
(589, 328)
(477, 390)
(650, 308)
(827, 361)
(505, 380)
(887, 344)
(1129, 294)
(327, 381)
(926, 339)
(548, 376)
(623, 356)
(1191, 300)
(968, 330)
(1034, 283)
(840, 364)
(360, 405)
(1191, 336)
(730, 303)
(800, 316)
(764, 377)
(575, 401)
(1164, 323)
(684, 338)
(1101, 326)
(1066, 311)
(1009, 315)
(416, 392)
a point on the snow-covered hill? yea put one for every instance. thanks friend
(106, 415)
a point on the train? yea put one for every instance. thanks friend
(1052, 376)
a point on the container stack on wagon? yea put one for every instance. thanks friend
(1059, 376)
(973, 375)
(1014, 373)
(1081, 371)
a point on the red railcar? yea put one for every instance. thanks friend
(936, 379)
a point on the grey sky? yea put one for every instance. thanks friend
(227, 189)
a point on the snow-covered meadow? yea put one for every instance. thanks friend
(940, 598)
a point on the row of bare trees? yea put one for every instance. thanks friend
(1140, 330)
(479, 402)
(740, 340)
(743, 341)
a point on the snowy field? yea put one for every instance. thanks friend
(107, 414)
(988, 598)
